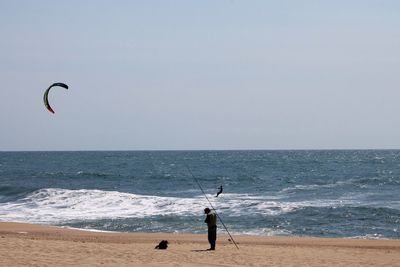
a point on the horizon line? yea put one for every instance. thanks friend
(199, 150)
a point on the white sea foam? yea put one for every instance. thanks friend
(89, 230)
(375, 236)
(314, 186)
(54, 205)
(265, 232)
(60, 205)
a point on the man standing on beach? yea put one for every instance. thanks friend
(211, 221)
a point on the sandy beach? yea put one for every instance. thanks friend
(38, 245)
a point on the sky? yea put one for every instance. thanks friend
(209, 74)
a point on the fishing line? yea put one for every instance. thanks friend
(201, 188)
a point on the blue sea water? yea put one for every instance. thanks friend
(327, 193)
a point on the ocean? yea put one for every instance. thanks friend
(318, 193)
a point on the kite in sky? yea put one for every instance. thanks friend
(46, 95)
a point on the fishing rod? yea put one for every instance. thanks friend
(198, 183)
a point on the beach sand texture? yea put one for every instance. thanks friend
(38, 245)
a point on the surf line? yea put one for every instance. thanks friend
(201, 188)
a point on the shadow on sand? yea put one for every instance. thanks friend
(201, 250)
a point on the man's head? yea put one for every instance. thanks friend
(206, 210)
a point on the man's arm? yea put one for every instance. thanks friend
(207, 220)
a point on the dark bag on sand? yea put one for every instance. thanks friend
(163, 245)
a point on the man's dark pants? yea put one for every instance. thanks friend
(212, 236)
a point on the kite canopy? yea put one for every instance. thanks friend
(46, 95)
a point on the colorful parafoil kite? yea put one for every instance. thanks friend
(46, 95)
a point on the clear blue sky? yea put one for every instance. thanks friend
(200, 74)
